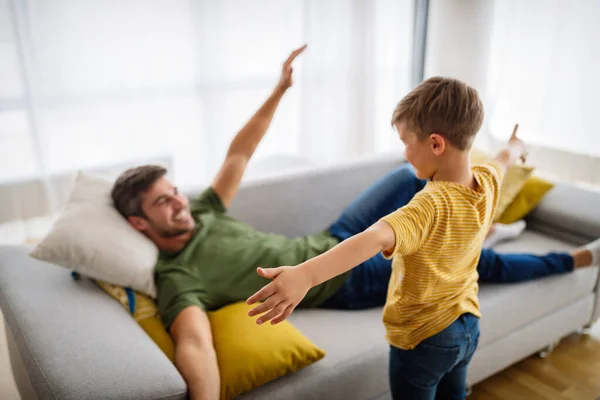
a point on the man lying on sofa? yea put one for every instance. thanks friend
(209, 260)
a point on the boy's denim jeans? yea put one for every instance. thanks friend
(437, 367)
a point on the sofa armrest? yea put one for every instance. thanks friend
(596, 312)
(568, 212)
(74, 340)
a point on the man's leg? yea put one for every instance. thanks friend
(507, 268)
(388, 194)
(366, 287)
(367, 284)
(195, 356)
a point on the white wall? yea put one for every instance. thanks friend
(458, 42)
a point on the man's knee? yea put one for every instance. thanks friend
(406, 169)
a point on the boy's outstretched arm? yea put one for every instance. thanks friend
(514, 151)
(290, 284)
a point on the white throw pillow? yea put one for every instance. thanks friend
(92, 238)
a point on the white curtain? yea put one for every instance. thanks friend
(100, 84)
(545, 55)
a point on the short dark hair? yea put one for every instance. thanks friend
(442, 105)
(127, 191)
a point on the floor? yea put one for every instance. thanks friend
(8, 390)
(570, 372)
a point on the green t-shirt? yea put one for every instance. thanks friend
(218, 265)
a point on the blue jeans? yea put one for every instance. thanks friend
(367, 284)
(437, 367)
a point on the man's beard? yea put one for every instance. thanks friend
(169, 233)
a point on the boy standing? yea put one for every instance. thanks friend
(432, 311)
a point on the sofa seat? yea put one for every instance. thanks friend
(357, 353)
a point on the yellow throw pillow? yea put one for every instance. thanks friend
(527, 199)
(145, 312)
(513, 181)
(251, 355)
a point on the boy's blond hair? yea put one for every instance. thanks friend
(444, 106)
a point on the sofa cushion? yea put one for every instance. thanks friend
(251, 355)
(245, 361)
(144, 310)
(356, 363)
(507, 307)
(532, 193)
(92, 238)
(514, 179)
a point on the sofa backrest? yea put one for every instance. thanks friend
(307, 201)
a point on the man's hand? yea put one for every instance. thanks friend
(285, 81)
(517, 144)
(282, 295)
(514, 151)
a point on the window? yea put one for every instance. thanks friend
(98, 83)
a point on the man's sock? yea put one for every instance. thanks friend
(503, 232)
(594, 248)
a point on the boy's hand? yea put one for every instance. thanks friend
(517, 144)
(282, 295)
(285, 81)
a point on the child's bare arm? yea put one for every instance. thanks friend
(290, 284)
(350, 253)
(514, 151)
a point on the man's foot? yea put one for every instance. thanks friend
(504, 232)
(594, 249)
(587, 255)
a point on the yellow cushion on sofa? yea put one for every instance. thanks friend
(513, 181)
(527, 199)
(251, 355)
(146, 315)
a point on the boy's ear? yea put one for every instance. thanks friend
(437, 143)
(138, 223)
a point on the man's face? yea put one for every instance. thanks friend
(417, 152)
(167, 211)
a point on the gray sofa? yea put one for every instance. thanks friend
(68, 340)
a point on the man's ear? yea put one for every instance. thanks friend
(438, 144)
(139, 223)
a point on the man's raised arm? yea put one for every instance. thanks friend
(243, 145)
